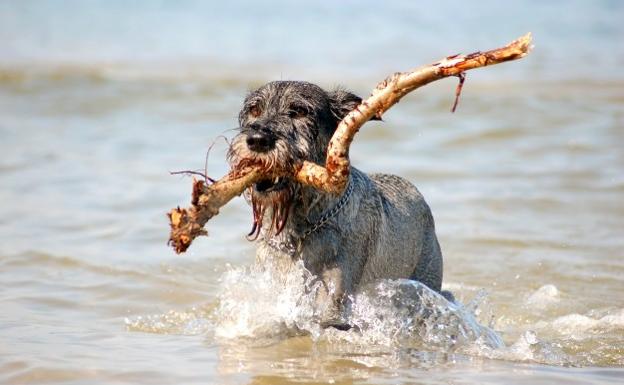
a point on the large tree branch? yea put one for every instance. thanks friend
(206, 200)
(187, 224)
(334, 175)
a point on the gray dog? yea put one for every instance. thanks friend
(381, 227)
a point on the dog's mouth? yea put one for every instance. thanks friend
(266, 186)
(273, 197)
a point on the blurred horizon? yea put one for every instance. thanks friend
(324, 41)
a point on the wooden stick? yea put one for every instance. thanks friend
(206, 200)
(334, 175)
(187, 224)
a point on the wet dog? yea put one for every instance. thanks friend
(379, 228)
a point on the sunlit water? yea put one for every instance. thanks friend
(100, 100)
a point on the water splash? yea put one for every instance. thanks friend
(406, 313)
(256, 305)
(194, 321)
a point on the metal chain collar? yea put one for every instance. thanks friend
(289, 248)
(329, 214)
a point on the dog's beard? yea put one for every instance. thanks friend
(271, 197)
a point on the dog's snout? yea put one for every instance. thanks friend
(260, 141)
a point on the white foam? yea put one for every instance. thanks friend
(573, 324)
(614, 321)
(528, 348)
(543, 297)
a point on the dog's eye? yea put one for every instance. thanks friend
(297, 112)
(254, 111)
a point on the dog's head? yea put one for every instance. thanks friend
(282, 124)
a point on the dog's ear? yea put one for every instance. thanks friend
(341, 102)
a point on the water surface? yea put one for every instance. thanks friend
(100, 100)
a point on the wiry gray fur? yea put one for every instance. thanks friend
(386, 229)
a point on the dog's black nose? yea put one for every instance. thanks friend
(260, 141)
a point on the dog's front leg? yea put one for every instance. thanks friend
(332, 297)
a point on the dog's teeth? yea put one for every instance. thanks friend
(276, 180)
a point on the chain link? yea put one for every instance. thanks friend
(289, 248)
(330, 213)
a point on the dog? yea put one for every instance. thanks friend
(379, 228)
